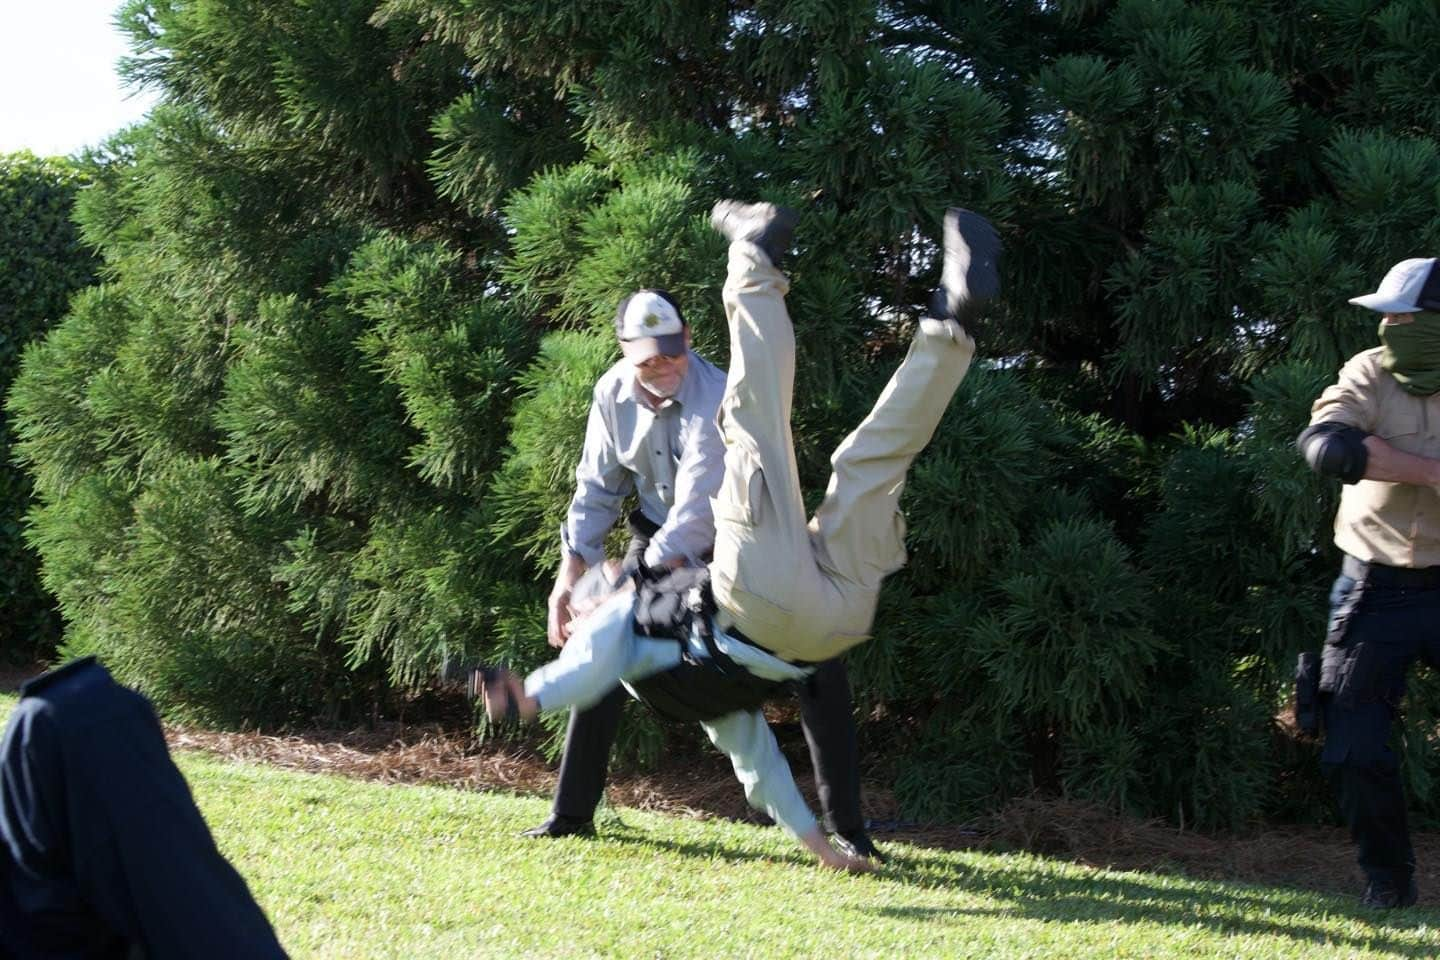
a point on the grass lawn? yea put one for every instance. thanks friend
(355, 869)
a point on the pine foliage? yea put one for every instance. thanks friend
(315, 430)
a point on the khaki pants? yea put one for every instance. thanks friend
(807, 591)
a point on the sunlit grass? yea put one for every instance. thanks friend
(354, 869)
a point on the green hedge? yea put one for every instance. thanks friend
(42, 262)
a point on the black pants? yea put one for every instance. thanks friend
(1378, 630)
(102, 850)
(826, 715)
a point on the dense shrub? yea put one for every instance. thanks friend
(315, 433)
(42, 262)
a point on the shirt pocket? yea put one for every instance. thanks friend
(1430, 426)
(1400, 426)
(741, 496)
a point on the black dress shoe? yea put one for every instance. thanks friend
(857, 843)
(1385, 895)
(970, 275)
(562, 826)
(764, 224)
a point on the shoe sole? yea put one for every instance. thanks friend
(971, 273)
(774, 222)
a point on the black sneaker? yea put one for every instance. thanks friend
(559, 825)
(970, 275)
(1386, 895)
(857, 843)
(764, 224)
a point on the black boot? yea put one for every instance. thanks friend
(970, 275)
(559, 825)
(1388, 895)
(857, 843)
(764, 224)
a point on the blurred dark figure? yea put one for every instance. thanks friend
(102, 851)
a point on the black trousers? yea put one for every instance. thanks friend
(102, 850)
(1378, 630)
(826, 716)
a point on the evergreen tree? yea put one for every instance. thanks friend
(315, 431)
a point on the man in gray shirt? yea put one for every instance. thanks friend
(652, 432)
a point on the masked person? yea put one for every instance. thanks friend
(103, 854)
(781, 594)
(1377, 429)
(651, 432)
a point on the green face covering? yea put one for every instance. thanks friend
(1412, 353)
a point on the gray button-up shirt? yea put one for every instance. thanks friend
(671, 457)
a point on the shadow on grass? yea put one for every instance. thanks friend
(1042, 895)
(709, 850)
(14, 674)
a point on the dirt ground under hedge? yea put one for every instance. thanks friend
(1307, 857)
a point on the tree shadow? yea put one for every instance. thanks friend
(1043, 895)
(706, 850)
(12, 675)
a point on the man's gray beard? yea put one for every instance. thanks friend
(656, 392)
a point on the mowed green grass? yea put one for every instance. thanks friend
(354, 869)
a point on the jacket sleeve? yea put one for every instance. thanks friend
(1353, 399)
(601, 485)
(1340, 420)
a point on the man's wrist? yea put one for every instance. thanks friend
(572, 568)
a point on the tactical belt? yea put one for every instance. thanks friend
(1380, 575)
(697, 688)
(723, 621)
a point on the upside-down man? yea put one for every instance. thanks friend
(783, 594)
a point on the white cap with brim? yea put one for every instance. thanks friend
(1410, 286)
(649, 325)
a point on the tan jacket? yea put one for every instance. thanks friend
(1397, 524)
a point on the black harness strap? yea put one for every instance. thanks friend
(697, 688)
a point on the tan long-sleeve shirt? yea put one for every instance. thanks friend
(1397, 524)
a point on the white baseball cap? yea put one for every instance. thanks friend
(648, 324)
(1410, 286)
